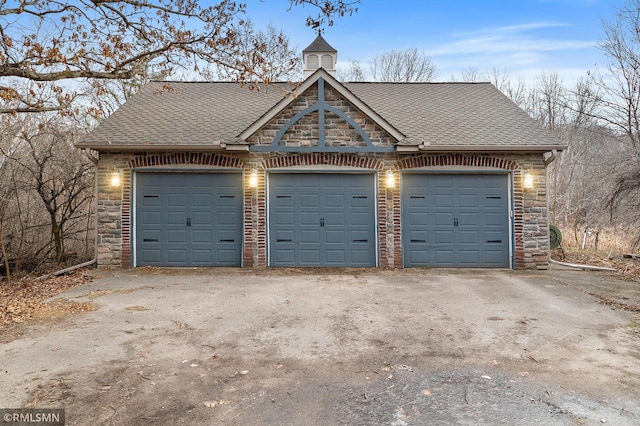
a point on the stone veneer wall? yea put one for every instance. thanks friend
(531, 240)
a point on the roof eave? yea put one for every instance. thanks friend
(174, 148)
(481, 148)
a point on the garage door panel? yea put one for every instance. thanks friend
(335, 257)
(201, 218)
(419, 257)
(176, 218)
(444, 257)
(284, 200)
(335, 237)
(151, 218)
(227, 218)
(151, 200)
(469, 258)
(151, 256)
(418, 237)
(230, 201)
(322, 209)
(360, 236)
(443, 219)
(202, 236)
(494, 258)
(284, 219)
(189, 218)
(284, 235)
(334, 201)
(443, 200)
(462, 215)
(176, 236)
(176, 256)
(494, 219)
(177, 200)
(151, 236)
(308, 201)
(285, 257)
(201, 256)
(468, 201)
(227, 257)
(417, 219)
(309, 237)
(359, 201)
(443, 237)
(202, 200)
(417, 201)
(469, 237)
(310, 257)
(309, 219)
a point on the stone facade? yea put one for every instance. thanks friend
(530, 222)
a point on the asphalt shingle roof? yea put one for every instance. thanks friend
(201, 114)
(319, 45)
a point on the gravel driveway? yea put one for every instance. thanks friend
(333, 347)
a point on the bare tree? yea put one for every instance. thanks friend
(269, 53)
(60, 176)
(355, 72)
(403, 66)
(619, 102)
(44, 44)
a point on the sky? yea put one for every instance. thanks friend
(523, 38)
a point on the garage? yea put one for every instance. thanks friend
(456, 220)
(188, 219)
(322, 219)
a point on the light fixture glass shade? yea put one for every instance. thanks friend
(115, 180)
(253, 179)
(528, 181)
(391, 179)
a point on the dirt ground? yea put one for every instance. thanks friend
(316, 347)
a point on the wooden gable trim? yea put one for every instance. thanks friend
(321, 74)
(321, 107)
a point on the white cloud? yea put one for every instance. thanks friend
(506, 39)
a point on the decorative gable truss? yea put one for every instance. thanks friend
(324, 117)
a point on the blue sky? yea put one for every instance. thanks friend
(522, 37)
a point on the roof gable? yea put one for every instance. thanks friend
(321, 80)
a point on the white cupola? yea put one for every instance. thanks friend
(319, 54)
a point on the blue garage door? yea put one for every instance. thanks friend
(188, 219)
(322, 220)
(453, 220)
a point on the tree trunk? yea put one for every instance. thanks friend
(3, 249)
(56, 234)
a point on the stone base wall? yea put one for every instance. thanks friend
(530, 212)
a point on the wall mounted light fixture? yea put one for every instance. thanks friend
(391, 180)
(253, 179)
(528, 181)
(115, 181)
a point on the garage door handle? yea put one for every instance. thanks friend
(455, 221)
(188, 221)
(322, 223)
